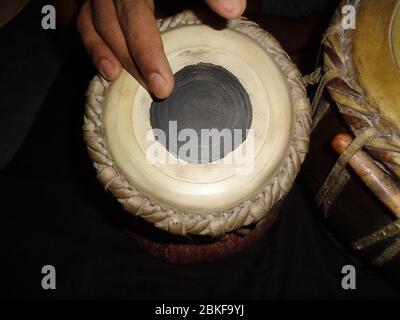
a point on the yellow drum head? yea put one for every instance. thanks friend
(395, 34)
(376, 54)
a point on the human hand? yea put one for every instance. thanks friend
(123, 34)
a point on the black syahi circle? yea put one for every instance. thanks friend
(206, 97)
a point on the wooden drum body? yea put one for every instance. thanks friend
(237, 77)
(359, 192)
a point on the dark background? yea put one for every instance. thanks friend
(55, 212)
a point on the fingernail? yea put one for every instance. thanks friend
(106, 69)
(157, 84)
(231, 5)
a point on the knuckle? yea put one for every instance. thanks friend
(124, 7)
(104, 23)
(102, 26)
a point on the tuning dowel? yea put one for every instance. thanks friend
(381, 184)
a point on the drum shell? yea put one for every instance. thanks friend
(176, 249)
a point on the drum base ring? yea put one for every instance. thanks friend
(187, 253)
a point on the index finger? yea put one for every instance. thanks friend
(145, 45)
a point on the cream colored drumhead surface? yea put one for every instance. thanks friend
(219, 185)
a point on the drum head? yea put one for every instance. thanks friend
(376, 56)
(224, 80)
(236, 84)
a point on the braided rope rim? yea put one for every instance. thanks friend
(219, 223)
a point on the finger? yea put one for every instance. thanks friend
(229, 9)
(144, 43)
(103, 58)
(107, 25)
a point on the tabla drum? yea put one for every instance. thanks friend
(198, 199)
(359, 190)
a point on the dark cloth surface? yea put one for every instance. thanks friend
(296, 8)
(55, 212)
(29, 65)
